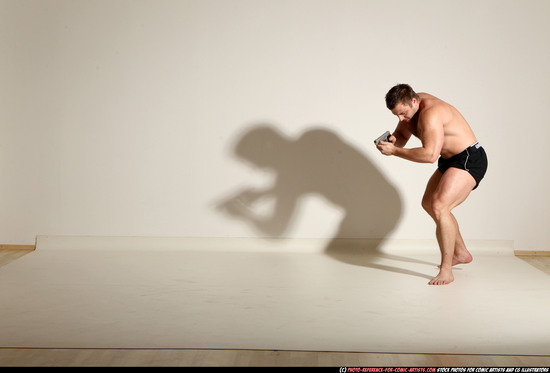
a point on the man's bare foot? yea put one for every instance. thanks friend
(443, 278)
(463, 257)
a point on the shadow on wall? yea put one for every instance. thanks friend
(319, 162)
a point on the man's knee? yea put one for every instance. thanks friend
(427, 205)
(438, 208)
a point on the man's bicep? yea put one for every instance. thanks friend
(433, 135)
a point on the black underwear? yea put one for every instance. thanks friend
(472, 159)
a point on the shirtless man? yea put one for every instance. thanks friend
(445, 135)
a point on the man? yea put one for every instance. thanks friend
(446, 135)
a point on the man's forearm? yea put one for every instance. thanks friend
(420, 155)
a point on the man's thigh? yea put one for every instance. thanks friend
(431, 188)
(454, 187)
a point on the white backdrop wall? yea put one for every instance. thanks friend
(145, 118)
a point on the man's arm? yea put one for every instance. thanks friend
(402, 135)
(432, 137)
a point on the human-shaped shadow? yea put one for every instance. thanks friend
(320, 162)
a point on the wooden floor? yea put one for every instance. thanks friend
(256, 358)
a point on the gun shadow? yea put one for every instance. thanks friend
(322, 163)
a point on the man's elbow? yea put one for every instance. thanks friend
(432, 157)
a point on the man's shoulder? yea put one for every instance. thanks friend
(433, 103)
(429, 112)
(432, 106)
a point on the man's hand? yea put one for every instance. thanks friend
(387, 148)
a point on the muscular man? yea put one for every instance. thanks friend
(445, 135)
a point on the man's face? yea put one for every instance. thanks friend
(406, 111)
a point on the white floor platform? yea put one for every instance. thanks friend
(216, 299)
